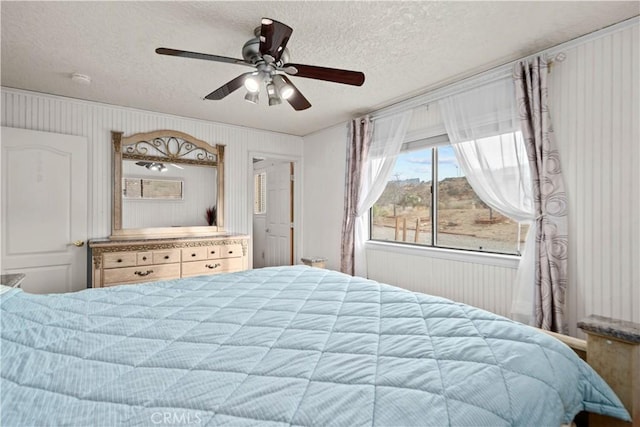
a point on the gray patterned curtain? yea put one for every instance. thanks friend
(357, 152)
(550, 198)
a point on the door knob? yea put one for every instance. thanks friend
(78, 243)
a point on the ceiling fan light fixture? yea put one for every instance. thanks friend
(274, 99)
(252, 97)
(252, 83)
(284, 89)
(153, 166)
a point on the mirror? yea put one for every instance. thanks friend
(166, 184)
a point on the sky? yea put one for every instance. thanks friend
(418, 164)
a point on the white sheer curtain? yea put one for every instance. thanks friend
(484, 131)
(387, 138)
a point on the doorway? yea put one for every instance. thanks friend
(44, 209)
(274, 230)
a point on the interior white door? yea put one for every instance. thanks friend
(279, 218)
(44, 209)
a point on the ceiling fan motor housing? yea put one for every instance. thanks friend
(251, 52)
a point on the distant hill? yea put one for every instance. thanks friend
(453, 192)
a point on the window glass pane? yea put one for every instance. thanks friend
(402, 213)
(259, 195)
(464, 221)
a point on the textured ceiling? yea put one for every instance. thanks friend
(402, 47)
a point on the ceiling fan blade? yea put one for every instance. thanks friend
(227, 88)
(274, 36)
(355, 78)
(297, 100)
(205, 56)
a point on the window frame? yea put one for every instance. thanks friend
(433, 143)
(260, 193)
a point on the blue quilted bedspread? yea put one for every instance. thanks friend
(281, 346)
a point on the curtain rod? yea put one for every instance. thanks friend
(494, 74)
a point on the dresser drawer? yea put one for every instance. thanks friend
(166, 257)
(145, 258)
(119, 259)
(230, 251)
(213, 252)
(116, 276)
(198, 268)
(194, 254)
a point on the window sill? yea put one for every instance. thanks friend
(498, 260)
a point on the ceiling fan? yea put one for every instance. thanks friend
(268, 54)
(157, 166)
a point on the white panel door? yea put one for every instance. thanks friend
(44, 209)
(259, 244)
(279, 214)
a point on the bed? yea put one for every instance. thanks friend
(281, 346)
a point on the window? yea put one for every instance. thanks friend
(260, 193)
(412, 210)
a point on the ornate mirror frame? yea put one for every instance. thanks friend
(172, 147)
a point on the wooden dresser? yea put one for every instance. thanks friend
(117, 262)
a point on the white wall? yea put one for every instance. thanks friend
(30, 110)
(594, 102)
(324, 168)
(594, 99)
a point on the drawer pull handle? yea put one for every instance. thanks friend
(230, 252)
(193, 254)
(119, 260)
(213, 252)
(212, 266)
(141, 274)
(166, 257)
(144, 258)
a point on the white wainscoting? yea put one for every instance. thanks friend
(488, 286)
(30, 110)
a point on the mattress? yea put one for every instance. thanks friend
(281, 346)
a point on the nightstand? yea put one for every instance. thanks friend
(613, 351)
(314, 262)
